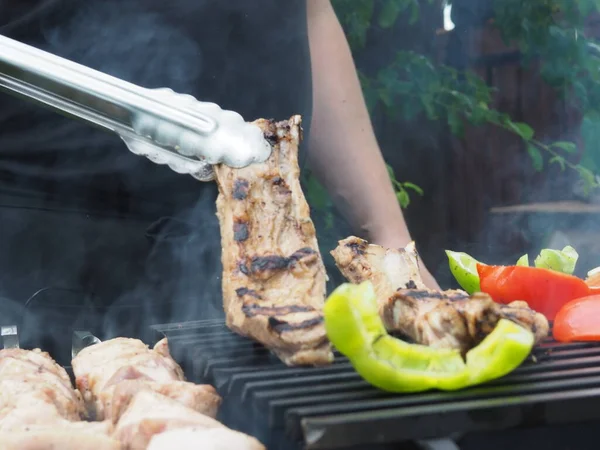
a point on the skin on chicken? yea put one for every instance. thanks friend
(34, 389)
(150, 414)
(100, 367)
(201, 398)
(63, 436)
(203, 439)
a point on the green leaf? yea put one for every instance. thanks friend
(589, 179)
(558, 160)
(389, 13)
(386, 97)
(456, 124)
(391, 173)
(536, 157)
(414, 187)
(329, 220)
(568, 147)
(414, 13)
(403, 198)
(522, 129)
(316, 194)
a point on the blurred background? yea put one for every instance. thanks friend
(488, 115)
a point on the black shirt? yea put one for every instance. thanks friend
(78, 210)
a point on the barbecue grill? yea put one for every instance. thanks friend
(333, 408)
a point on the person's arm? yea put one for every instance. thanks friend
(343, 150)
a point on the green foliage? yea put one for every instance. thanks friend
(550, 33)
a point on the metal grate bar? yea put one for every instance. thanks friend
(332, 407)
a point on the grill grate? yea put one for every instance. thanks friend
(332, 407)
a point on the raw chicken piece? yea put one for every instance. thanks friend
(446, 319)
(34, 389)
(60, 436)
(203, 439)
(100, 367)
(201, 398)
(39, 362)
(149, 414)
(273, 274)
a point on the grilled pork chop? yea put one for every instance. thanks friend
(150, 414)
(453, 319)
(101, 369)
(273, 275)
(448, 319)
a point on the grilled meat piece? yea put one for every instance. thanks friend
(203, 439)
(273, 275)
(111, 373)
(34, 389)
(201, 398)
(150, 414)
(448, 319)
(63, 436)
(453, 319)
(100, 368)
(388, 269)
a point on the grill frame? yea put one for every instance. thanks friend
(332, 408)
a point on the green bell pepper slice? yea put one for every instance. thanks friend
(464, 269)
(355, 329)
(563, 261)
(523, 260)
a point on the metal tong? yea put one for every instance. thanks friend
(168, 128)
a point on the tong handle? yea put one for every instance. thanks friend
(86, 93)
(189, 136)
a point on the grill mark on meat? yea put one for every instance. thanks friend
(240, 189)
(270, 136)
(281, 326)
(411, 285)
(303, 252)
(357, 247)
(242, 267)
(425, 295)
(260, 264)
(253, 310)
(240, 231)
(243, 291)
(281, 186)
(488, 317)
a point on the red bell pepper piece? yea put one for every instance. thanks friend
(545, 291)
(578, 320)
